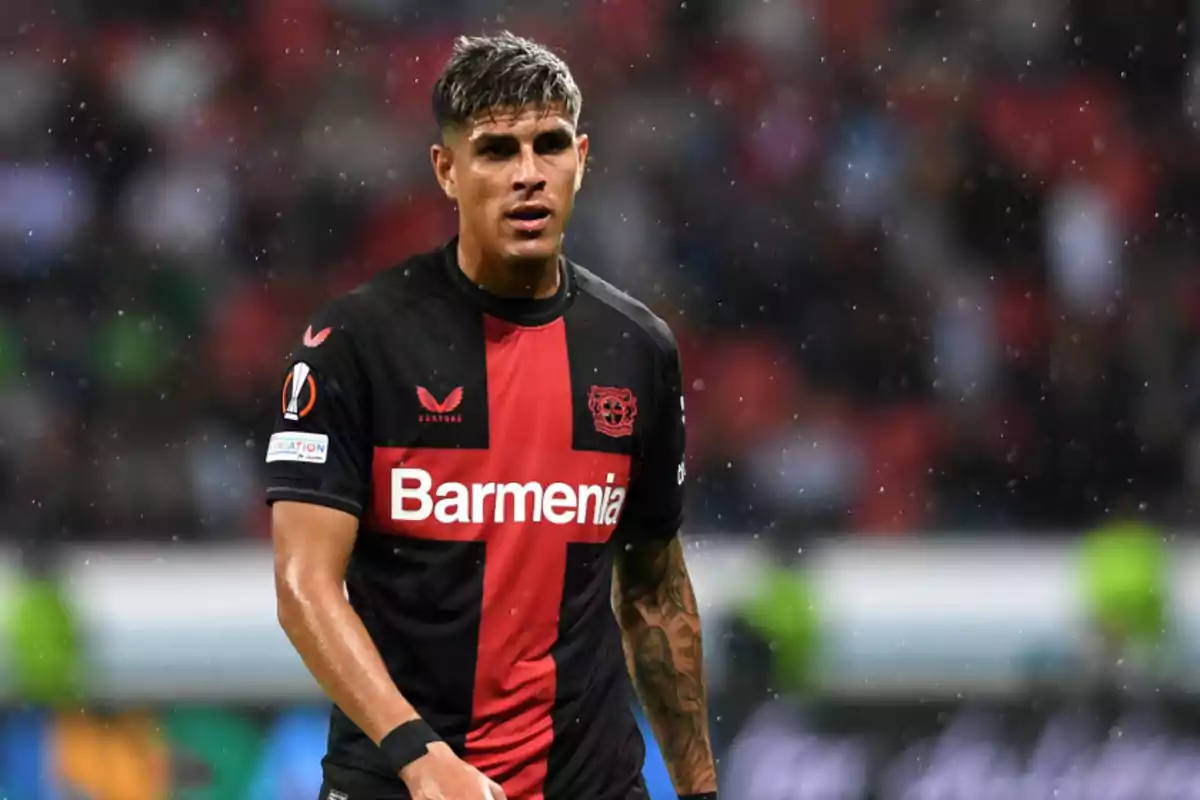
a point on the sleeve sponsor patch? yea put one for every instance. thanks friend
(310, 448)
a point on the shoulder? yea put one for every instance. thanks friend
(655, 331)
(381, 298)
(345, 332)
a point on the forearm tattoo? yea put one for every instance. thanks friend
(660, 625)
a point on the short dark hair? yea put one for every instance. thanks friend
(504, 71)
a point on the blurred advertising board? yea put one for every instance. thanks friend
(142, 754)
(935, 617)
(932, 664)
(186, 753)
(1036, 747)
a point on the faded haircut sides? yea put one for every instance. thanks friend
(485, 74)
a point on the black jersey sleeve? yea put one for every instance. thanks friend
(656, 495)
(320, 450)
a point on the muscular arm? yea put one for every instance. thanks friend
(660, 626)
(312, 548)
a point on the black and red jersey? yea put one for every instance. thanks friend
(495, 451)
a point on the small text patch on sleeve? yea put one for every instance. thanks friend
(310, 448)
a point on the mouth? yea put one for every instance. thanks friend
(529, 217)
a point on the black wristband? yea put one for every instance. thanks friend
(701, 796)
(407, 742)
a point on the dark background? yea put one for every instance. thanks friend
(930, 263)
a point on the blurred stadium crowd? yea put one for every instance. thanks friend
(931, 264)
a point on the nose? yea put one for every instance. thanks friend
(528, 176)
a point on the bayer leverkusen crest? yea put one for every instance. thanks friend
(614, 410)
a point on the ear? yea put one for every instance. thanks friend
(581, 147)
(442, 158)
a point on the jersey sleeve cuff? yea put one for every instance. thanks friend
(314, 497)
(653, 530)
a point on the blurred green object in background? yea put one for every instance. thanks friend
(44, 642)
(132, 350)
(784, 613)
(1125, 581)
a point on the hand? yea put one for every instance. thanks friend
(441, 775)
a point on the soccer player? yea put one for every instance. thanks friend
(484, 444)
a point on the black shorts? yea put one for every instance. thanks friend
(342, 783)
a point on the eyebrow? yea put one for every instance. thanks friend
(485, 139)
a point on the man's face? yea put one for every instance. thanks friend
(514, 176)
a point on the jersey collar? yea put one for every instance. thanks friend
(528, 312)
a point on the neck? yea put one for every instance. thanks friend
(534, 278)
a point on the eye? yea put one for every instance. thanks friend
(552, 142)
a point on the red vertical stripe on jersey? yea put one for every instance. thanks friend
(530, 428)
(529, 412)
(530, 440)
